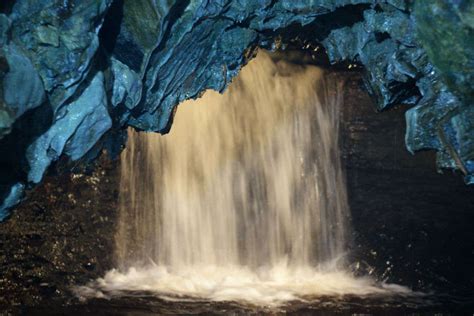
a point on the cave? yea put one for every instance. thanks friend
(242, 157)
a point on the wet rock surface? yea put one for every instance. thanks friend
(63, 235)
(154, 55)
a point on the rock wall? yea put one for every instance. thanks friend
(75, 73)
(63, 235)
(411, 225)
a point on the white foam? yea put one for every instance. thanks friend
(271, 287)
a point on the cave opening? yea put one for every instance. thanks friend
(399, 229)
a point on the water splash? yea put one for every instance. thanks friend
(273, 286)
(244, 200)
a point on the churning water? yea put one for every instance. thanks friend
(244, 200)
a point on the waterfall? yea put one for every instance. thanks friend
(244, 199)
(251, 177)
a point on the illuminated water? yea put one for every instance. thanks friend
(244, 200)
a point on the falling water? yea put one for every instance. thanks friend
(244, 199)
(251, 177)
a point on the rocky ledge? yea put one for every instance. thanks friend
(76, 73)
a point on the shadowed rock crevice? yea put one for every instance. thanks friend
(13, 163)
(6, 6)
(110, 30)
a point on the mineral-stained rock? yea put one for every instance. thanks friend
(449, 104)
(449, 45)
(135, 60)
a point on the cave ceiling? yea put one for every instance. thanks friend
(76, 73)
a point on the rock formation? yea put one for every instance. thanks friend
(76, 73)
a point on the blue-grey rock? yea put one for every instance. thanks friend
(73, 134)
(12, 198)
(450, 45)
(6, 118)
(61, 39)
(22, 87)
(4, 27)
(127, 85)
(132, 45)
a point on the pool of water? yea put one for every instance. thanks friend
(146, 303)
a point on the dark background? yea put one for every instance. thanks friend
(413, 224)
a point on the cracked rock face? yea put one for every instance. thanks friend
(75, 73)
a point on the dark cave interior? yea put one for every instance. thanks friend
(77, 74)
